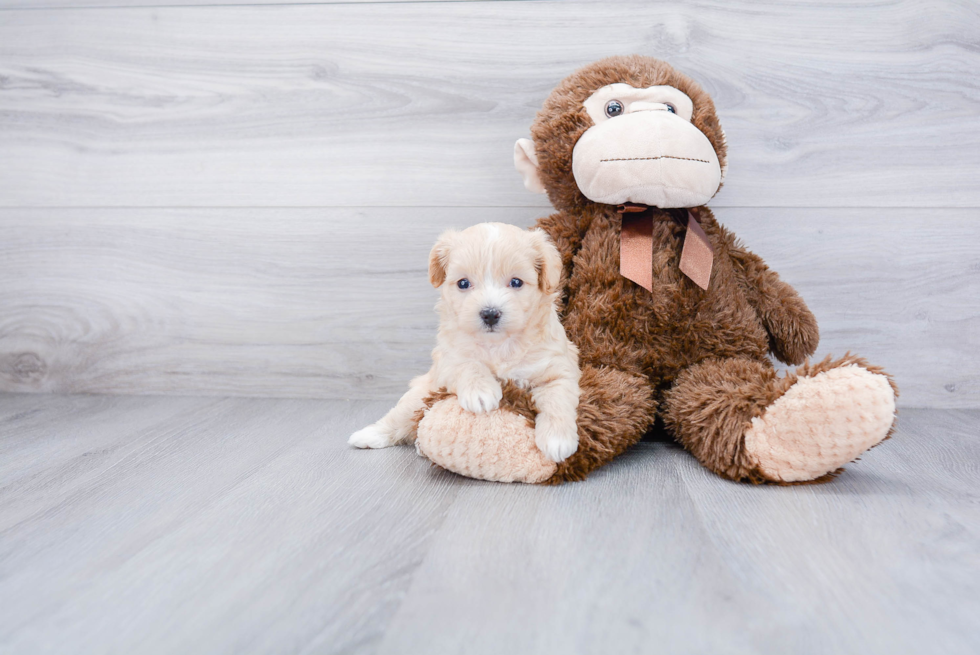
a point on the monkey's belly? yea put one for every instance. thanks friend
(659, 335)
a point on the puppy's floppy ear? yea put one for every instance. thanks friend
(439, 258)
(547, 262)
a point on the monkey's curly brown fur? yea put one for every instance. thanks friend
(697, 359)
(653, 338)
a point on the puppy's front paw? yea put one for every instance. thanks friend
(481, 396)
(556, 444)
(373, 436)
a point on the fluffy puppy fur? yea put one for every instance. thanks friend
(498, 322)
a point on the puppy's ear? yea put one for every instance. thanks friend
(439, 258)
(547, 263)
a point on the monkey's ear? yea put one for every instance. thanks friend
(526, 163)
(439, 258)
(548, 263)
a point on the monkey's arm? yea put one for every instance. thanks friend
(792, 328)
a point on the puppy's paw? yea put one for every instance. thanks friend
(556, 444)
(480, 396)
(373, 436)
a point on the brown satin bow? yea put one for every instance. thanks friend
(636, 246)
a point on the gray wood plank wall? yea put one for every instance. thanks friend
(239, 199)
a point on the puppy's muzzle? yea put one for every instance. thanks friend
(490, 316)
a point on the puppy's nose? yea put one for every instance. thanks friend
(490, 316)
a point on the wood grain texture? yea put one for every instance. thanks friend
(845, 104)
(217, 526)
(161, 525)
(126, 4)
(316, 303)
(656, 554)
(336, 302)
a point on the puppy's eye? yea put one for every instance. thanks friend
(463, 284)
(670, 108)
(614, 108)
(516, 282)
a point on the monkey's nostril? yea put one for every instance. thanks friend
(490, 316)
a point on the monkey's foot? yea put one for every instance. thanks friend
(821, 423)
(496, 445)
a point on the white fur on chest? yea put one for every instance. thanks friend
(513, 362)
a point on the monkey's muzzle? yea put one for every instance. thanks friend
(649, 157)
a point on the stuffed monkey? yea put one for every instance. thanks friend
(673, 317)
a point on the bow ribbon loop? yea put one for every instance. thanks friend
(636, 246)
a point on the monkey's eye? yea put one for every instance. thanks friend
(516, 282)
(614, 108)
(463, 284)
(670, 108)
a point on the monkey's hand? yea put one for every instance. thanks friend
(792, 328)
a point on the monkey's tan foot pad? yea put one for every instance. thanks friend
(498, 445)
(821, 423)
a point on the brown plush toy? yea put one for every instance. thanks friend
(674, 319)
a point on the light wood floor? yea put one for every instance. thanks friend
(204, 525)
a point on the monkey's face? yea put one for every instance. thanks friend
(625, 129)
(643, 148)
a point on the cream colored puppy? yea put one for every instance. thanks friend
(498, 322)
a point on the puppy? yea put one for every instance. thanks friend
(498, 322)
